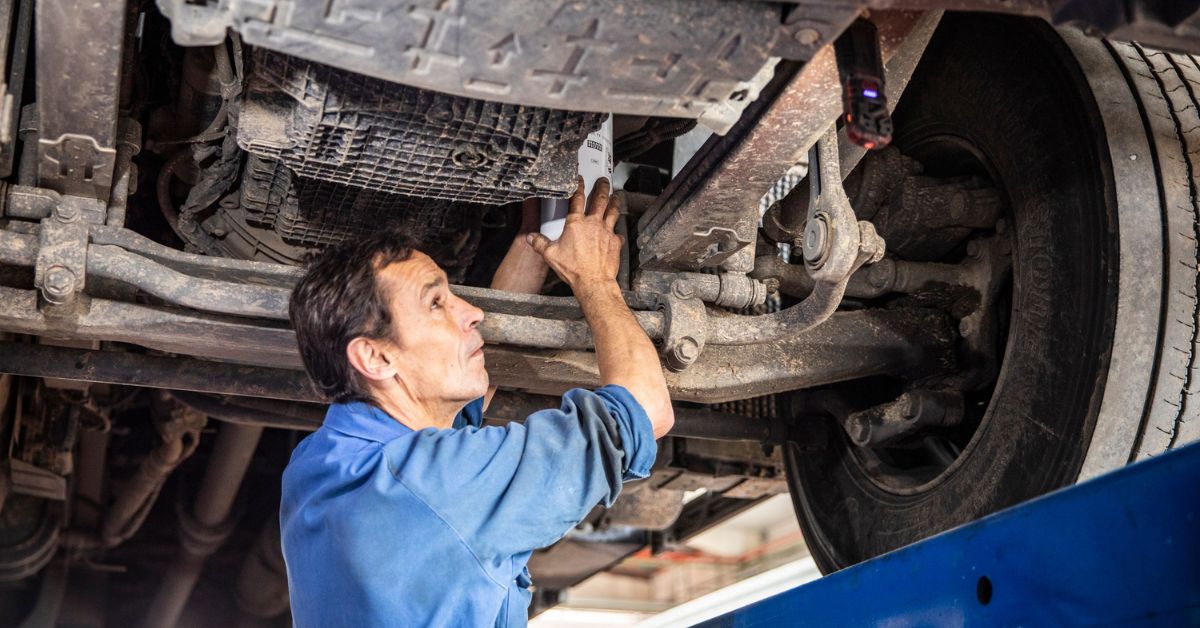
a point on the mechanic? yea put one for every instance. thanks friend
(402, 509)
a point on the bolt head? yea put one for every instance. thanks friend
(683, 289)
(816, 239)
(687, 350)
(973, 248)
(966, 327)
(58, 283)
(807, 36)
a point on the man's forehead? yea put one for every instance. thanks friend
(413, 273)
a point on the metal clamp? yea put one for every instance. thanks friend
(62, 248)
(684, 325)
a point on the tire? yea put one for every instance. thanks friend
(1085, 140)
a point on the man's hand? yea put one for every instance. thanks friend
(587, 257)
(588, 253)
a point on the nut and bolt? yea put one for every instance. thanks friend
(683, 289)
(687, 350)
(973, 248)
(58, 284)
(966, 327)
(816, 239)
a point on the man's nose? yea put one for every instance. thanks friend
(471, 315)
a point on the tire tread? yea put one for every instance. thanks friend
(1167, 85)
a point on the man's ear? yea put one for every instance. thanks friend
(371, 358)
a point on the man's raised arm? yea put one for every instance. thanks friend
(587, 257)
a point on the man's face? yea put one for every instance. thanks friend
(440, 350)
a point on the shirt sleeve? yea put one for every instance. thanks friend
(516, 488)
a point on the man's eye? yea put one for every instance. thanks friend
(437, 303)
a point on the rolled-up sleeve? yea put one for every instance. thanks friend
(516, 488)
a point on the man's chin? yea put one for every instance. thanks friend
(485, 381)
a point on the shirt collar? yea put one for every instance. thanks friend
(363, 420)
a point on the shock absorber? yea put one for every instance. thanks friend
(860, 67)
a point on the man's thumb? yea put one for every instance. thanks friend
(538, 242)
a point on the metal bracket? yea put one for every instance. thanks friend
(62, 248)
(78, 60)
(835, 242)
(684, 325)
(723, 183)
(835, 245)
(75, 164)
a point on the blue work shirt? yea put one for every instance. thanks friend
(386, 526)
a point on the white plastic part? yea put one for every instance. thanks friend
(595, 161)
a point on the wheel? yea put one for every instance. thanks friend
(1090, 144)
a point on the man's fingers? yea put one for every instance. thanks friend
(538, 243)
(613, 213)
(599, 198)
(577, 203)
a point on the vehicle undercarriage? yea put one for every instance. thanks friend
(877, 340)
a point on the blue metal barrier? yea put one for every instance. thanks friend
(1120, 550)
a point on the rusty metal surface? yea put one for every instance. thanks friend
(709, 212)
(211, 295)
(283, 398)
(78, 61)
(202, 266)
(236, 287)
(847, 346)
(176, 331)
(545, 333)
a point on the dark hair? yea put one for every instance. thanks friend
(339, 299)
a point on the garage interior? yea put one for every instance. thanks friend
(922, 276)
